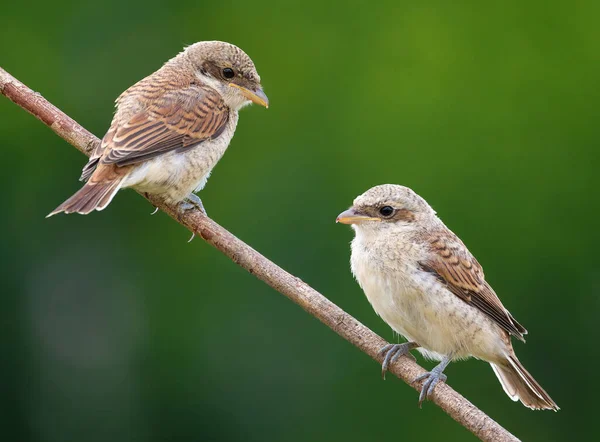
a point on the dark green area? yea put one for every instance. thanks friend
(114, 328)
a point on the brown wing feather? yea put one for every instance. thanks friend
(92, 163)
(454, 265)
(178, 120)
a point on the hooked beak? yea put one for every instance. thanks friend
(351, 216)
(257, 96)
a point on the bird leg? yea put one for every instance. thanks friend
(392, 352)
(191, 202)
(432, 378)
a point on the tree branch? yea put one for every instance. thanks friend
(459, 408)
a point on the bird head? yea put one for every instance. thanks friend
(387, 206)
(229, 70)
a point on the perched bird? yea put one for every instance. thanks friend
(171, 128)
(423, 281)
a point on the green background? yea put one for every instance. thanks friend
(114, 328)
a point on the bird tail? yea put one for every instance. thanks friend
(518, 384)
(92, 196)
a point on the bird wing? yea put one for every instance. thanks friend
(452, 263)
(177, 120)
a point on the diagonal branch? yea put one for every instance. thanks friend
(459, 408)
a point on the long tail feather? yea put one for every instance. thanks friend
(92, 196)
(518, 384)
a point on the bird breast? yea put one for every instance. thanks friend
(416, 305)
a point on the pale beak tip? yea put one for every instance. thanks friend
(257, 96)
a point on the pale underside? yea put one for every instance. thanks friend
(177, 174)
(420, 308)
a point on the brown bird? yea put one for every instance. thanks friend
(171, 128)
(423, 281)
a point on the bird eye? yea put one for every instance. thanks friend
(228, 73)
(386, 211)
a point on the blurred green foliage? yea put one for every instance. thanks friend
(114, 328)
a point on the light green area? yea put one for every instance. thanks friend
(114, 328)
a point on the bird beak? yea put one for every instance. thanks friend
(351, 216)
(257, 96)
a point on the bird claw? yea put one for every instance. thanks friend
(432, 378)
(392, 352)
(192, 202)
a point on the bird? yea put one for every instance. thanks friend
(171, 128)
(424, 283)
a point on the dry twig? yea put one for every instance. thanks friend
(459, 408)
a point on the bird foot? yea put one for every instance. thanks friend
(192, 202)
(432, 378)
(392, 352)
